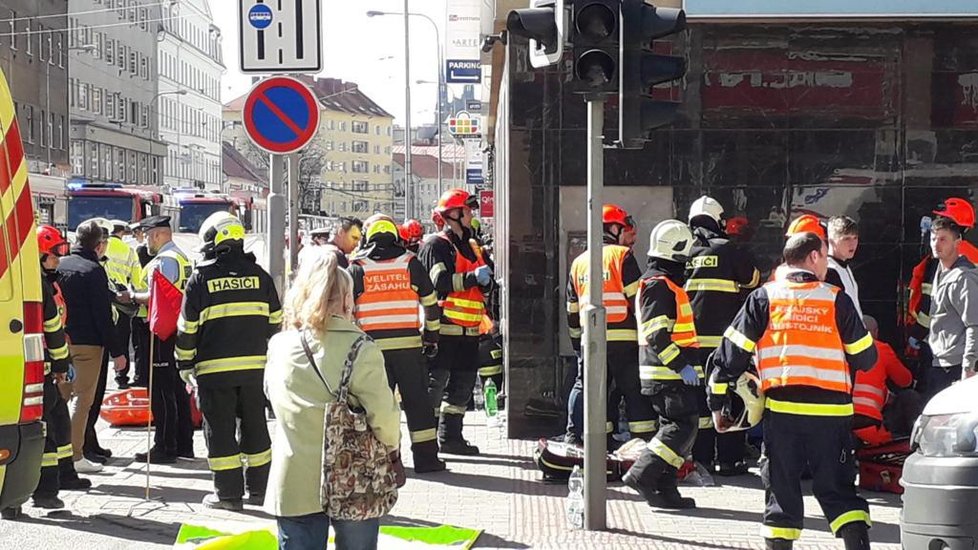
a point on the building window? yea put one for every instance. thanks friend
(343, 147)
(154, 167)
(43, 129)
(133, 63)
(377, 129)
(342, 125)
(133, 167)
(97, 100)
(359, 206)
(360, 127)
(110, 50)
(51, 130)
(30, 42)
(30, 124)
(50, 42)
(329, 145)
(376, 149)
(13, 30)
(72, 86)
(61, 52)
(361, 185)
(61, 132)
(83, 96)
(142, 18)
(77, 158)
(144, 67)
(361, 167)
(330, 124)
(361, 147)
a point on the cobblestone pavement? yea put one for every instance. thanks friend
(499, 491)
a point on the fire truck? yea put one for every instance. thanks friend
(50, 200)
(112, 201)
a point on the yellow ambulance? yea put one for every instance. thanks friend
(21, 322)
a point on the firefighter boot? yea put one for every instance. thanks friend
(778, 544)
(426, 458)
(644, 475)
(450, 436)
(855, 536)
(668, 496)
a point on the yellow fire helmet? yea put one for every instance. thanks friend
(220, 228)
(746, 405)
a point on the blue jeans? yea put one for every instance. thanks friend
(312, 531)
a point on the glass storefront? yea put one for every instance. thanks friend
(878, 122)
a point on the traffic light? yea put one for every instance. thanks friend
(596, 47)
(543, 24)
(641, 69)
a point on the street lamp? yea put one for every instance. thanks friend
(407, 85)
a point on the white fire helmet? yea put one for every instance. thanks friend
(746, 405)
(706, 206)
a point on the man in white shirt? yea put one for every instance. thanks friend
(843, 242)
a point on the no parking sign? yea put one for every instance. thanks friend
(281, 115)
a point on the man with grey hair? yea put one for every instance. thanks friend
(843, 242)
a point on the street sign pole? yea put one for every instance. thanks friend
(595, 340)
(294, 212)
(276, 222)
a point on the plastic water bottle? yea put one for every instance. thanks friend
(575, 499)
(492, 406)
(478, 399)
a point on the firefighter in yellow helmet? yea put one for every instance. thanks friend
(389, 285)
(230, 310)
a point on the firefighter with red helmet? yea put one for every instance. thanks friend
(411, 233)
(57, 466)
(621, 281)
(460, 275)
(962, 213)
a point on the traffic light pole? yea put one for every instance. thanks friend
(294, 161)
(275, 247)
(595, 339)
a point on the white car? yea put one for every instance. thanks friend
(940, 479)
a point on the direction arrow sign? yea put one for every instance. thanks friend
(280, 37)
(281, 115)
(461, 71)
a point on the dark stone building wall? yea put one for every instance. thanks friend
(878, 122)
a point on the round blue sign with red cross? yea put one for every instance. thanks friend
(281, 115)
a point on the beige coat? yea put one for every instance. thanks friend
(299, 399)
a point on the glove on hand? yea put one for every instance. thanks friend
(689, 376)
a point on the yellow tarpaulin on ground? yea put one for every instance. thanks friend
(196, 537)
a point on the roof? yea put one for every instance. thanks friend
(424, 166)
(333, 94)
(236, 165)
(449, 151)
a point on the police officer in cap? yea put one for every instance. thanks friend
(230, 310)
(174, 435)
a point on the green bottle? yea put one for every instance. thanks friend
(492, 408)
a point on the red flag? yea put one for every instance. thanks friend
(165, 300)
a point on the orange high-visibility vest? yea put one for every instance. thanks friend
(802, 345)
(613, 292)
(465, 308)
(682, 334)
(388, 301)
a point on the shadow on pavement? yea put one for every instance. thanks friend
(681, 543)
(480, 461)
(170, 494)
(496, 484)
(201, 474)
(141, 529)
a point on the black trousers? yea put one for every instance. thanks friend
(56, 462)
(123, 329)
(91, 436)
(140, 346)
(824, 445)
(453, 375)
(224, 409)
(678, 409)
(937, 379)
(407, 370)
(623, 380)
(171, 404)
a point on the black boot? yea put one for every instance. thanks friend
(668, 496)
(426, 458)
(644, 475)
(450, 436)
(778, 544)
(855, 536)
